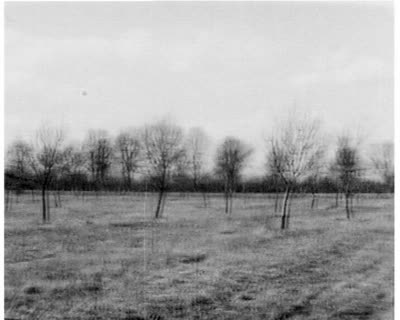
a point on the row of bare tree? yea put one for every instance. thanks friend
(161, 152)
(158, 151)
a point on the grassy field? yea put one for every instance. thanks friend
(105, 258)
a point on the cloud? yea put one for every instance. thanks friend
(343, 69)
(49, 56)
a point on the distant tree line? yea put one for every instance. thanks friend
(161, 158)
(267, 184)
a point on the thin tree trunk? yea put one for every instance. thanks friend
(204, 199)
(337, 199)
(44, 215)
(226, 201)
(160, 197)
(55, 200)
(313, 201)
(351, 205)
(129, 182)
(288, 210)
(347, 205)
(7, 200)
(195, 184)
(10, 201)
(230, 202)
(59, 198)
(226, 197)
(48, 206)
(163, 204)
(284, 208)
(276, 201)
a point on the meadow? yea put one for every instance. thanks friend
(104, 257)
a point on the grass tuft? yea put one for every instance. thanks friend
(192, 258)
(201, 300)
(33, 290)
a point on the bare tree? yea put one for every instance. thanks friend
(129, 147)
(231, 157)
(314, 181)
(196, 145)
(48, 155)
(333, 172)
(99, 153)
(18, 157)
(383, 160)
(73, 166)
(18, 167)
(347, 164)
(163, 143)
(274, 177)
(295, 151)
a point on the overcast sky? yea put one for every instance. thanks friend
(231, 68)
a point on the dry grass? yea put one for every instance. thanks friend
(106, 258)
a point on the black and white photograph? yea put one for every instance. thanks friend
(199, 160)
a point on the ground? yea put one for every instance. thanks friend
(104, 257)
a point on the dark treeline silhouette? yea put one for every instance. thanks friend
(81, 182)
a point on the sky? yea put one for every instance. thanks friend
(232, 68)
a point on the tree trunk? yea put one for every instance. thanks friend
(195, 184)
(158, 209)
(7, 200)
(351, 205)
(226, 196)
(276, 201)
(347, 205)
(59, 197)
(10, 201)
(129, 181)
(313, 201)
(44, 215)
(337, 199)
(163, 204)
(226, 201)
(48, 206)
(55, 200)
(284, 208)
(204, 199)
(288, 210)
(230, 202)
